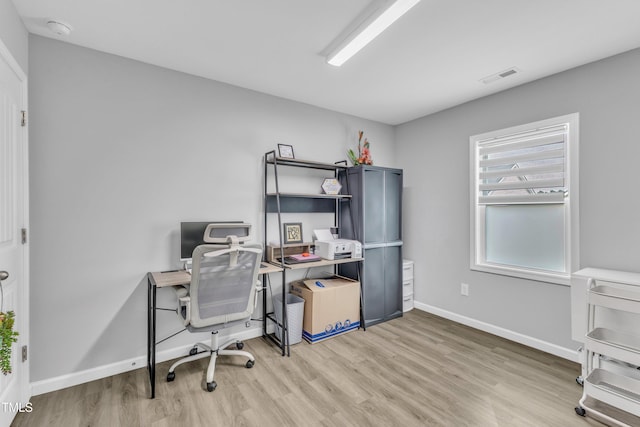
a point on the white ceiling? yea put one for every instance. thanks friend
(432, 58)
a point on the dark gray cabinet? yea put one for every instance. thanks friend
(376, 211)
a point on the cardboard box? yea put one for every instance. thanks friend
(331, 306)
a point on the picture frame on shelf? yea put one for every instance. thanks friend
(292, 232)
(285, 151)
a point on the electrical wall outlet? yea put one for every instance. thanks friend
(464, 289)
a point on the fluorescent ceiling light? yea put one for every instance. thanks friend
(369, 25)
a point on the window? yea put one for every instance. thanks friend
(524, 200)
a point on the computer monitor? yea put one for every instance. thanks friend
(192, 235)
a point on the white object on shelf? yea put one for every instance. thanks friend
(331, 186)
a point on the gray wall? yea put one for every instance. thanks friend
(434, 152)
(121, 152)
(13, 33)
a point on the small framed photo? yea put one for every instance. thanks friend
(292, 232)
(285, 151)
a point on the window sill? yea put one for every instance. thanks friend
(540, 276)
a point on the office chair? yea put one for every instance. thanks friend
(222, 294)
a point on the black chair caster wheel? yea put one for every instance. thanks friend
(239, 345)
(211, 386)
(171, 376)
(580, 411)
(250, 364)
(193, 351)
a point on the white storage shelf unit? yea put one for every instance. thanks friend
(407, 285)
(620, 292)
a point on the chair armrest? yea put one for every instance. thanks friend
(181, 290)
(185, 302)
(258, 289)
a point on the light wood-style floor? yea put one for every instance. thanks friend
(418, 370)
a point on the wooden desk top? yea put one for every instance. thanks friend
(170, 278)
(182, 277)
(266, 268)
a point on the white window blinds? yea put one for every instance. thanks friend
(523, 168)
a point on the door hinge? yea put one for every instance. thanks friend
(24, 118)
(24, 236)
(24, 353)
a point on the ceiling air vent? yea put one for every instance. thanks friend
(501, 75)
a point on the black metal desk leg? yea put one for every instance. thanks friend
(264, 305)
(151, 335)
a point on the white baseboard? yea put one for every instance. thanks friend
(536, 343)
(64, 381)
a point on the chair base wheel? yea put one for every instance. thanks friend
(239, 345)
(211, 386)
(171, 376)
(193, 351)
(250, 364)
(580, 411)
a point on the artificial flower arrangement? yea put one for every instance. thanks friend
(7, 337)
(364, 153)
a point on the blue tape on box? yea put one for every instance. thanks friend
(331, 330)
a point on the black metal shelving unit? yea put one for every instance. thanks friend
(281, 202)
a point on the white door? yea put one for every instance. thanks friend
(14, 386)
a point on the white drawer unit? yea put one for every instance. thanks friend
(407, 285)
(407, 303)
(407, 269)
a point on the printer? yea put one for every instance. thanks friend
(328, 247)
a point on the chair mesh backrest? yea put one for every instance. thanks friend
(223, 291)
